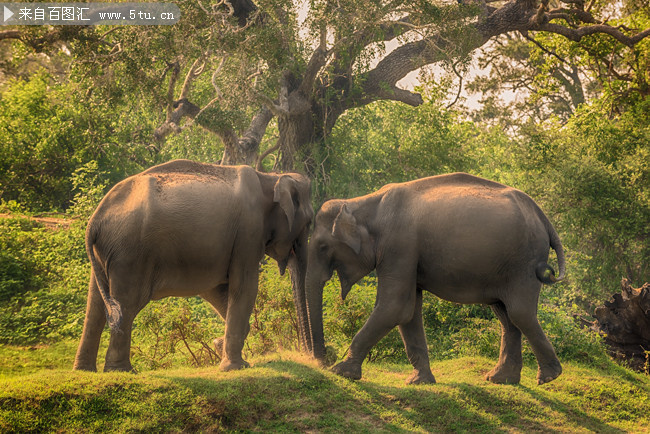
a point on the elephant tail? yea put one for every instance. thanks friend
(112, 307)
(545, 272)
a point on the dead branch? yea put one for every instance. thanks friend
(624, 321)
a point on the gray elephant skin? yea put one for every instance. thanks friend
(185, 228)
(458, 236)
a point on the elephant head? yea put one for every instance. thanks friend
(340, 242)
(289, 225)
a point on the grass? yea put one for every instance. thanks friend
(289, 392)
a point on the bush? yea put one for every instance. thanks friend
(43, 276)
(50, 131)
(175, 331)
(570, 340)
(181, 330)
(41, 144)
(274, 322)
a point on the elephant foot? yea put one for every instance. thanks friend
(548, 373)
(84, 366)
(232, 365)
(503, 375)
(421, 377)
(348, 370)
(120, 368)
(218, 345)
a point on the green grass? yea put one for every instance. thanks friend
(289, 392)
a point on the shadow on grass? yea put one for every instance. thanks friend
(297, 397)
(293, 396)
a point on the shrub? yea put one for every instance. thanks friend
(44, 277)
(274, 322)
(181, 330)
(175, 330)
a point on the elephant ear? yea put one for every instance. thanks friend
(282, 194)
(345, 229)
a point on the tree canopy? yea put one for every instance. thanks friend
(236, 68)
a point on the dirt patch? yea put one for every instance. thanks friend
(49, 222)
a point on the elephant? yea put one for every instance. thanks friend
(463, 238)
(185, 228)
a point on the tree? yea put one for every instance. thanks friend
(552, 76)
(238, 78)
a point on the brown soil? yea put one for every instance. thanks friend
(49, 222)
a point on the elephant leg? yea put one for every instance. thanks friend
(86, 358)
(218, 298)
(415, 342)
(508, 369)
(395, 305)
(118, 355)
(241, 301)
(523, 314)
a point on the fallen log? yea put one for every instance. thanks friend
(624, 321)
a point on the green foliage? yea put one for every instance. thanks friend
(49, 132)
(274, 325)
(175, 331)
(89, 190)
(40, 145)
(570, 340)
(342, 319)
(453, 330)
(591, 176)
(67, 137)
(36, 292)
(549, 76)
(595, 179)
(44, 276)
(180, 331)
(17, 268)
(459, 330)
(389, 142)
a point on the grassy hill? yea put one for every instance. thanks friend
(289, 392)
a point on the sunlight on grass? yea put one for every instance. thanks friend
(288, 391)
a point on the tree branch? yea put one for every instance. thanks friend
(10, 34)
(380, 83)
(543, 48)
(521, 15)
(249, 143)
(49, 38)
(577, 34)
(316, 63)
(265, 154)
(194, 72)
(176, 69)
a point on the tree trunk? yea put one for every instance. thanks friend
(296, 133)
(625, 323)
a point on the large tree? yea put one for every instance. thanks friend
(232, 70)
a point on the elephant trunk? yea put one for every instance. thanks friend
(315, 308)
(297, 268)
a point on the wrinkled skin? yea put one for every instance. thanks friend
(183, 229)
(463, 238)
